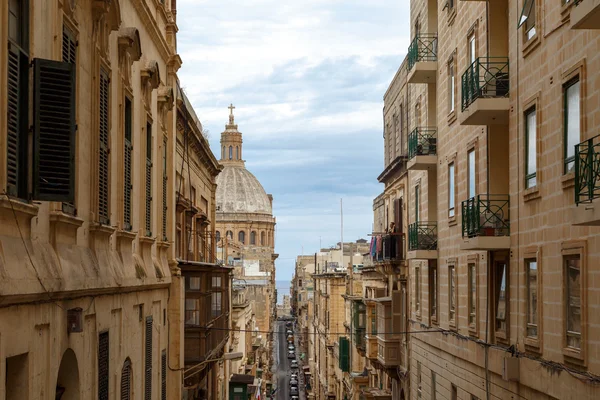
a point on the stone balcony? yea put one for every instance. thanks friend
(585, 14)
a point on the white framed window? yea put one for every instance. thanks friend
(472, 177)
(451, 192)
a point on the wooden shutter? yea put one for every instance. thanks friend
(164, 191)
(163, 368)
(344, 354)
(148, 361)
(54, 131)
(397, 324)
(103, 358)
(126, 381)
(69, 46)
(103, 154)
(14, 119)
(148, 180)
(128, 150)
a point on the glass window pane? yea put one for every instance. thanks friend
(472, 49)
(472, 293)
(532, 297)
(417, 290)
(501, 299)
(572, 123)
(573, 301)
(472, 173)
(531, 138)
(451, 190)
(194, 283)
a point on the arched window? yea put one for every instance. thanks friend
(253, 237)
(126, 380)
(229, 235)
(230, 152)
(242, 237)
(237, 152)
(262, 238)
(217, 236)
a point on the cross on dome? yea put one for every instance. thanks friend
(231, 108)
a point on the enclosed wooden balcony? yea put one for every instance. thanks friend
(485, 92)
(371, 349)
(586, 211)
(585, 14)
(422, 59)
(422, 241)
(422, 149)
(486, 222)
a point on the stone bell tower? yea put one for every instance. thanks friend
(231, 142)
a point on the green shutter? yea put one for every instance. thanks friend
(103, 153)
(103, 365)
(163, 367)
(148, 179)
(128, 150)
(14, 124)
(69, 46)
(344, 354)
(54, 131)
(148, 361)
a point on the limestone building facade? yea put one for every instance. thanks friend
(245, 236)
(84, 241)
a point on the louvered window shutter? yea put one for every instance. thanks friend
(103, 350)
(164, 192)
(69, 46)
(103, 154)
(148, 180)
(128, 150)
(126, 381)
(16, 112)
(148, 361)
(54, 131)
(163, 367)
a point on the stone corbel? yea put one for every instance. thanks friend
(165, 103)
(130, 50)
(150, 78)
(146, 255)
(63, 228)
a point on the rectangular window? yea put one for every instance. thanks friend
(417, 193)
(419, 380)
(571, 122)
(530, 148)
(433, 386)
(454, 392)
(573, 298)
(193, 283)
(192, 312)
(451, 193)
(451, 86)
(433, 291)
(148, 179)
(472, 294)
(418, 290)
(148, 360)
(452, 294)
(531, 272)
(472, 183)
(104, 148)
(127, 161)
(164, 191)
(472, 49)
(500, 296)
(530, 21)
(103, 366)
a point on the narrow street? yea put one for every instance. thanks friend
(282, 364)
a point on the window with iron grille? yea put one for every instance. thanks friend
(126, 380)
(103, 358)
(104, 149)
(128, 151)
(148, 361)
(17, 98)
(163, 367)
(164, 191)
(148, 179)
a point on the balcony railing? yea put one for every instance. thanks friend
(587, 170)
(390, 248)
(422, 236)
(422, 142)
(422, 48)
(487, 77)
(486, 215)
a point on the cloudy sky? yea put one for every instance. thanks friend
(307, 79)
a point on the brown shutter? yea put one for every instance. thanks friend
(69, 46)
(54, 131)
(148, 179)
(148, 361)
(103, 153)
(14, 119)
(126, 381)
(164, 191)
(163, 368)
(103, 358)
(128, 150)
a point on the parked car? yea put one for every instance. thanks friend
(294, 391)
(291, 347)
(294, 363)
(291, 354)
(289, 332)
(294, 398)
(293, 382)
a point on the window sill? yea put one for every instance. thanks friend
(568, 180)
(452, 221)
(531, 194)
(532, 345)
(473, 331)
(529, 45)
(452, 326)
(64, 227)
(451, 117)
(14, 210)
(565, 12)
(573, 356)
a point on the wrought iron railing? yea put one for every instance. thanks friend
(486, 77)
(422, 142)
(422, 48)
(486, 215)
(422, 236)
(389, 247)
(587, 170)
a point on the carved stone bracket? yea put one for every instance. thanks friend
(150, 78)
(165, 103)
(130, 50)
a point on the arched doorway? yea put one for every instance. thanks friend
(67, 383)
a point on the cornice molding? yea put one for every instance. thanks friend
(152, 27)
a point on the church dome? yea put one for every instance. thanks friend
(238, 191)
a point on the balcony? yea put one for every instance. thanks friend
(422, 59)
(361, 339)
(486, 222)
(422, 241)
(371, 348)
(422, 149)
(391, 248)
(485, 90)
(388, 352)
(587, 183)
(586, 14)
(376, 394)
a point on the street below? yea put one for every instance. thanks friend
(281, 366)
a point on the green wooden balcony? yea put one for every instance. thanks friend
(422, 240)
(422, 58)
(422, 149)
(587, 182)
(485, 91)
(486, 222)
